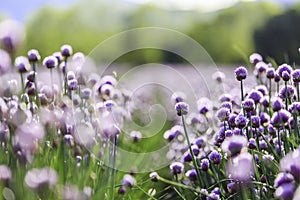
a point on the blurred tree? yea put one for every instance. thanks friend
(280, 37)
(228, 38)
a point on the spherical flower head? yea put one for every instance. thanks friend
(241, 73)
(283, 178)
(176, 168)
(264, 118)
(231, 120)
(277, 104)
(225, 97)
(255, 121)
(215, 157)
(178, 97)
(38, 178)
(204, 164)
(255, 95)
(227, 105)
(50, 62)
(204, 105)
(187, 157)
(219, 76)
(270, 73)
(22, 64)
(128, 180)
(182, 108)
(261, 67)
(5, 173)
(252, 143)
(263, 145)
(191, 174)
(200, 142)
(241, 121)
(248, 105)
(290, 163)
(66, 50)
(294, 108)
(223, 114)
(154, 176)
(288, 92)
(280, 118)
(284, 68)
(234, 144)
(262, 88)
(255, 58)
(264, 101)
(277, 77)
(58, 56)
(241, 168)
(33, 55)
(72, 84)
(285, 76)
(285, 191)
(296, 75)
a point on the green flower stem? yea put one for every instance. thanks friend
(191, 150)
(298, 95)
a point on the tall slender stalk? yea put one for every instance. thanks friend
(191, 150)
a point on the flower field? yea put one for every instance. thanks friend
(70, 135)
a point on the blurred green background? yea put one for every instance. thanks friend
(229, 35)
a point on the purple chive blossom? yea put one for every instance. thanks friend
(58, 56)
(223, 114)
(227, 105)
(22, 64)
(128, 180)
(241, 168)
(215, 157)
(66, 50)
(277, 104)
(255, 96)
(182, 108)
(252, 143)
(261, 67)
(241, 73)
(280, 118)
(225, 97)
(277, 77)
(290, 163)
(191, 174)
(5, 173)
(283, 178)
(263, 145)
(37, 178)
(241, 121)
(228, 133)
(288, 92)
(176, 168)
(50, 62)
(263, 89)
(233, 145)
(296, 75)
(285, 191)
(232, 187)
(270, 73)
(255, 121)
(187, 157)
(264, 101)
(178, 97)
(294, 108)
(33, 55)
(248, 105)
(73, 84)
(204, 105)
(264, 118)
(219, 76)
(231, 120)
(255, 58)
(154, 176)
(284, 68)
(204, 164)
(285, 76)
(200, 142)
